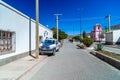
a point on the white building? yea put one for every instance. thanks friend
(113, 37)
(17, 32)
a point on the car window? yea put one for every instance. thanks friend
(49, 41)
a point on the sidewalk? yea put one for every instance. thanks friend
(107, 48)
(114, 50)
(18, 68)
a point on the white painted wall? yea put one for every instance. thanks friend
(33, 35)
(42, 29)
(10, 20)
(109, 37)
(113, 37)
(116, 36)
(15, 21)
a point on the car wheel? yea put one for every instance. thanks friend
(54, 52)
(58, 50)
(40, 53)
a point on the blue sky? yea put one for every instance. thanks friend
(91, 12)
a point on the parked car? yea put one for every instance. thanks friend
(49, 46)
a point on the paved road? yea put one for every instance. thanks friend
(75, 64)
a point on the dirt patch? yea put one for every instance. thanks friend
(111, 54)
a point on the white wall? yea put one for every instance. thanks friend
(113, 37)
(10, 20)
(33, 35)
(42, 29)
(15, 21)
(109, 37)
(116, 36)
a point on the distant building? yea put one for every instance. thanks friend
(115, 27)
(110, 37)
(113, 36)
(96, 32)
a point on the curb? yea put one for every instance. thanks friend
(7, 60)
(112, 61)
(24, 73)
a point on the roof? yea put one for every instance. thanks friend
(97, 24)
(50, 39)
(115, 27)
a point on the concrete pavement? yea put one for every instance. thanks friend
(111, 49)
(18, 68)
(72, 63)
(106, 47)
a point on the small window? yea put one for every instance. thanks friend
(7, 40)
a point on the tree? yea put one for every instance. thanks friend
(77, 38)
(84, 35)
(62, 34)
(54, 32)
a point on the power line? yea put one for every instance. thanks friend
(112, 21)
(93, 18)
(85, 19)
(115, 20)
(78, 19)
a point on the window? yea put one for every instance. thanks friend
(49, 41)
(6, 42)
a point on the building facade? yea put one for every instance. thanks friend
(17, 32)
(96, 32)
(113, 37)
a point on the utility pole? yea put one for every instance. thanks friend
(108, 16)
(80, 13)
(37, 29)
(99, 33)
(73, 30)
(57, 23)
(109, 22)
(80, 26)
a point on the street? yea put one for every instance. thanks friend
(71, 63)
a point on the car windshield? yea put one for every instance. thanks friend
(49, 41)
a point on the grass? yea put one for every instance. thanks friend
(111, 54)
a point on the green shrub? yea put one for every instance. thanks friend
(81, 40)
(87, 41)
(71, 40)
(99, 47)
(77, 38)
